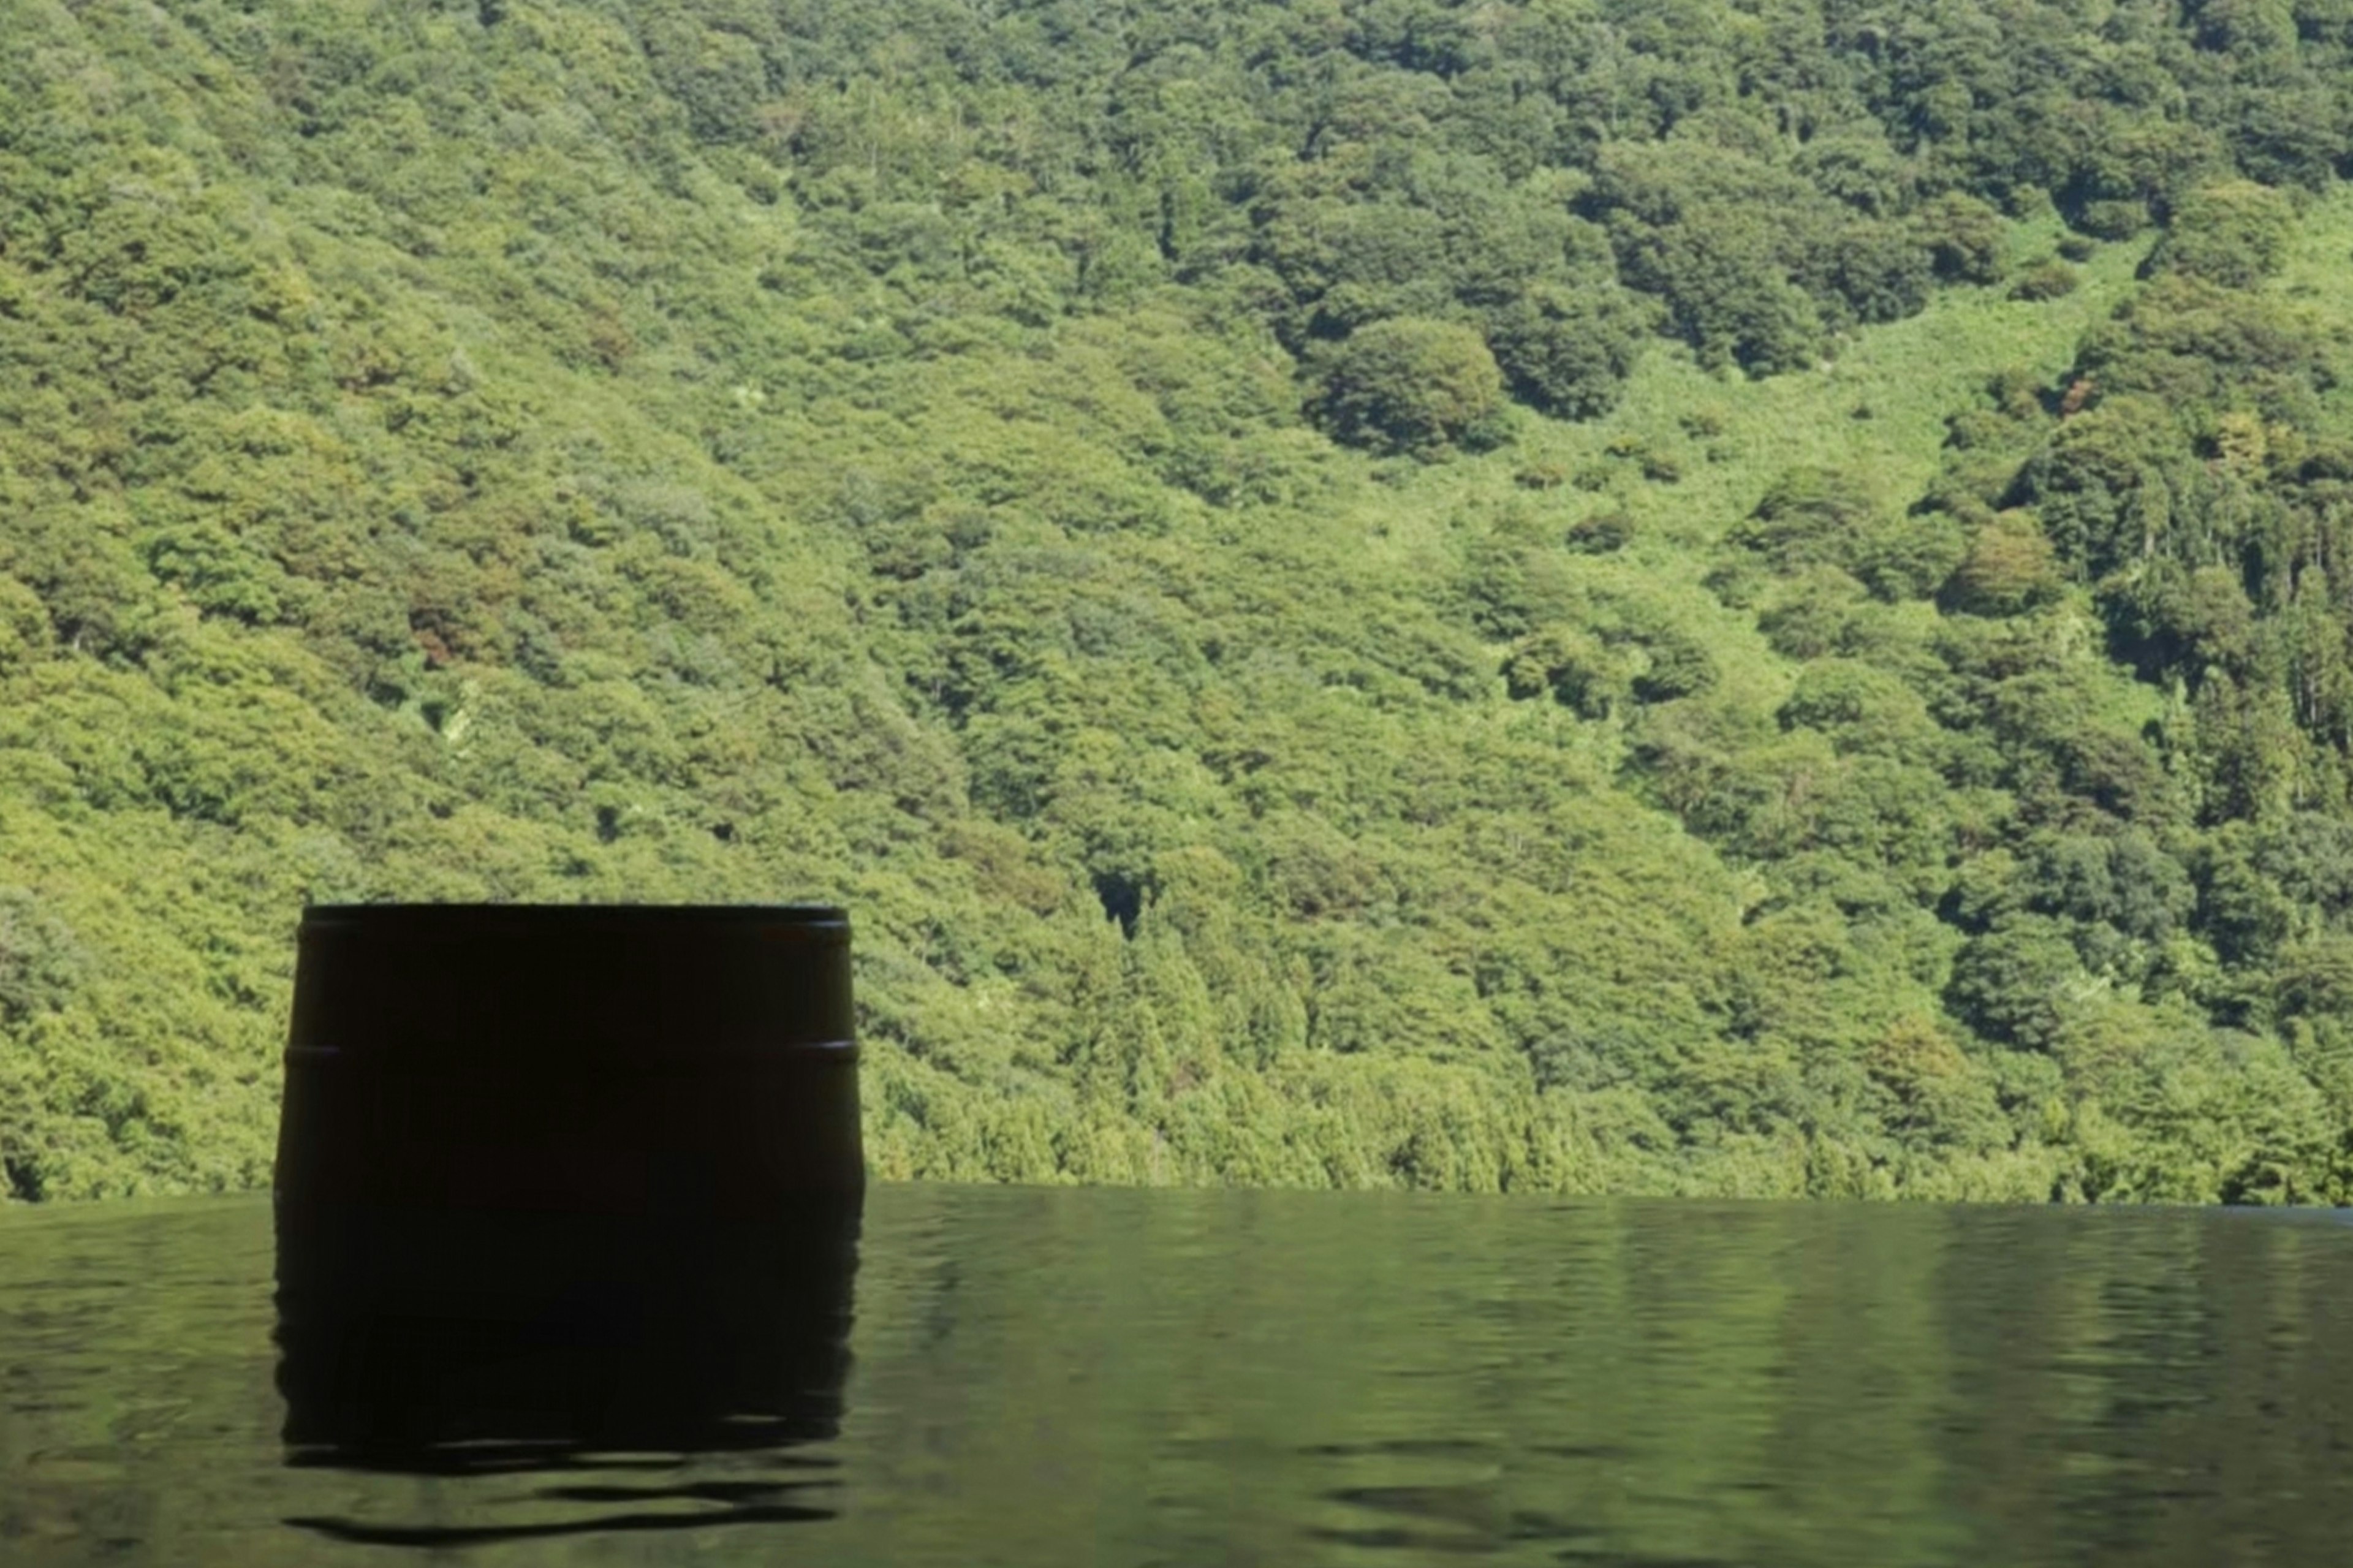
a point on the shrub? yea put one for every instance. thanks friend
(2046, 279)
(1601, 534)
(1811, 515)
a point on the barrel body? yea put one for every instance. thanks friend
(609, 1061)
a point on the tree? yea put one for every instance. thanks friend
(2010, 567)
(41, 960)
(1811, 516)
(2099, 488)
(2015, 982)
(1567, 350)
(1966, 238)
(2234, 233)
(1413, 385)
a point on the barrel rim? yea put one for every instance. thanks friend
(459, 914)
(838, 1049)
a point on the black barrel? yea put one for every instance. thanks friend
(586, 1058)
(560, 1178)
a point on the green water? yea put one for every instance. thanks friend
(1121, 1377)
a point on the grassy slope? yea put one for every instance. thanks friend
(2314, 276)
(1910, 375)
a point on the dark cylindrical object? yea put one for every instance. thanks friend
(552, 1180)
(593, 1059)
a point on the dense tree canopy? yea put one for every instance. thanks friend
(1737, 595)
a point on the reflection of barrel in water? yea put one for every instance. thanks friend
(563, 1189)
(466, 1345)
(456, 1343)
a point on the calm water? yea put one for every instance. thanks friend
(1044, 1377)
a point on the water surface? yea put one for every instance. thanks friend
(1043, 1377)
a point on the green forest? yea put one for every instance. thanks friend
(1708, 596)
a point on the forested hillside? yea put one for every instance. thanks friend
(1682, 595)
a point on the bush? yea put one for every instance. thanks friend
(1811, 516)
(2047, 279)
(2113, 219)
(1580, 672)
(1914, 556)
(1678, 667)
(1603, 533)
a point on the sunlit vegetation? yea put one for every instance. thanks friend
(1735, 597)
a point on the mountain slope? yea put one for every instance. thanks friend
(1783, 720)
